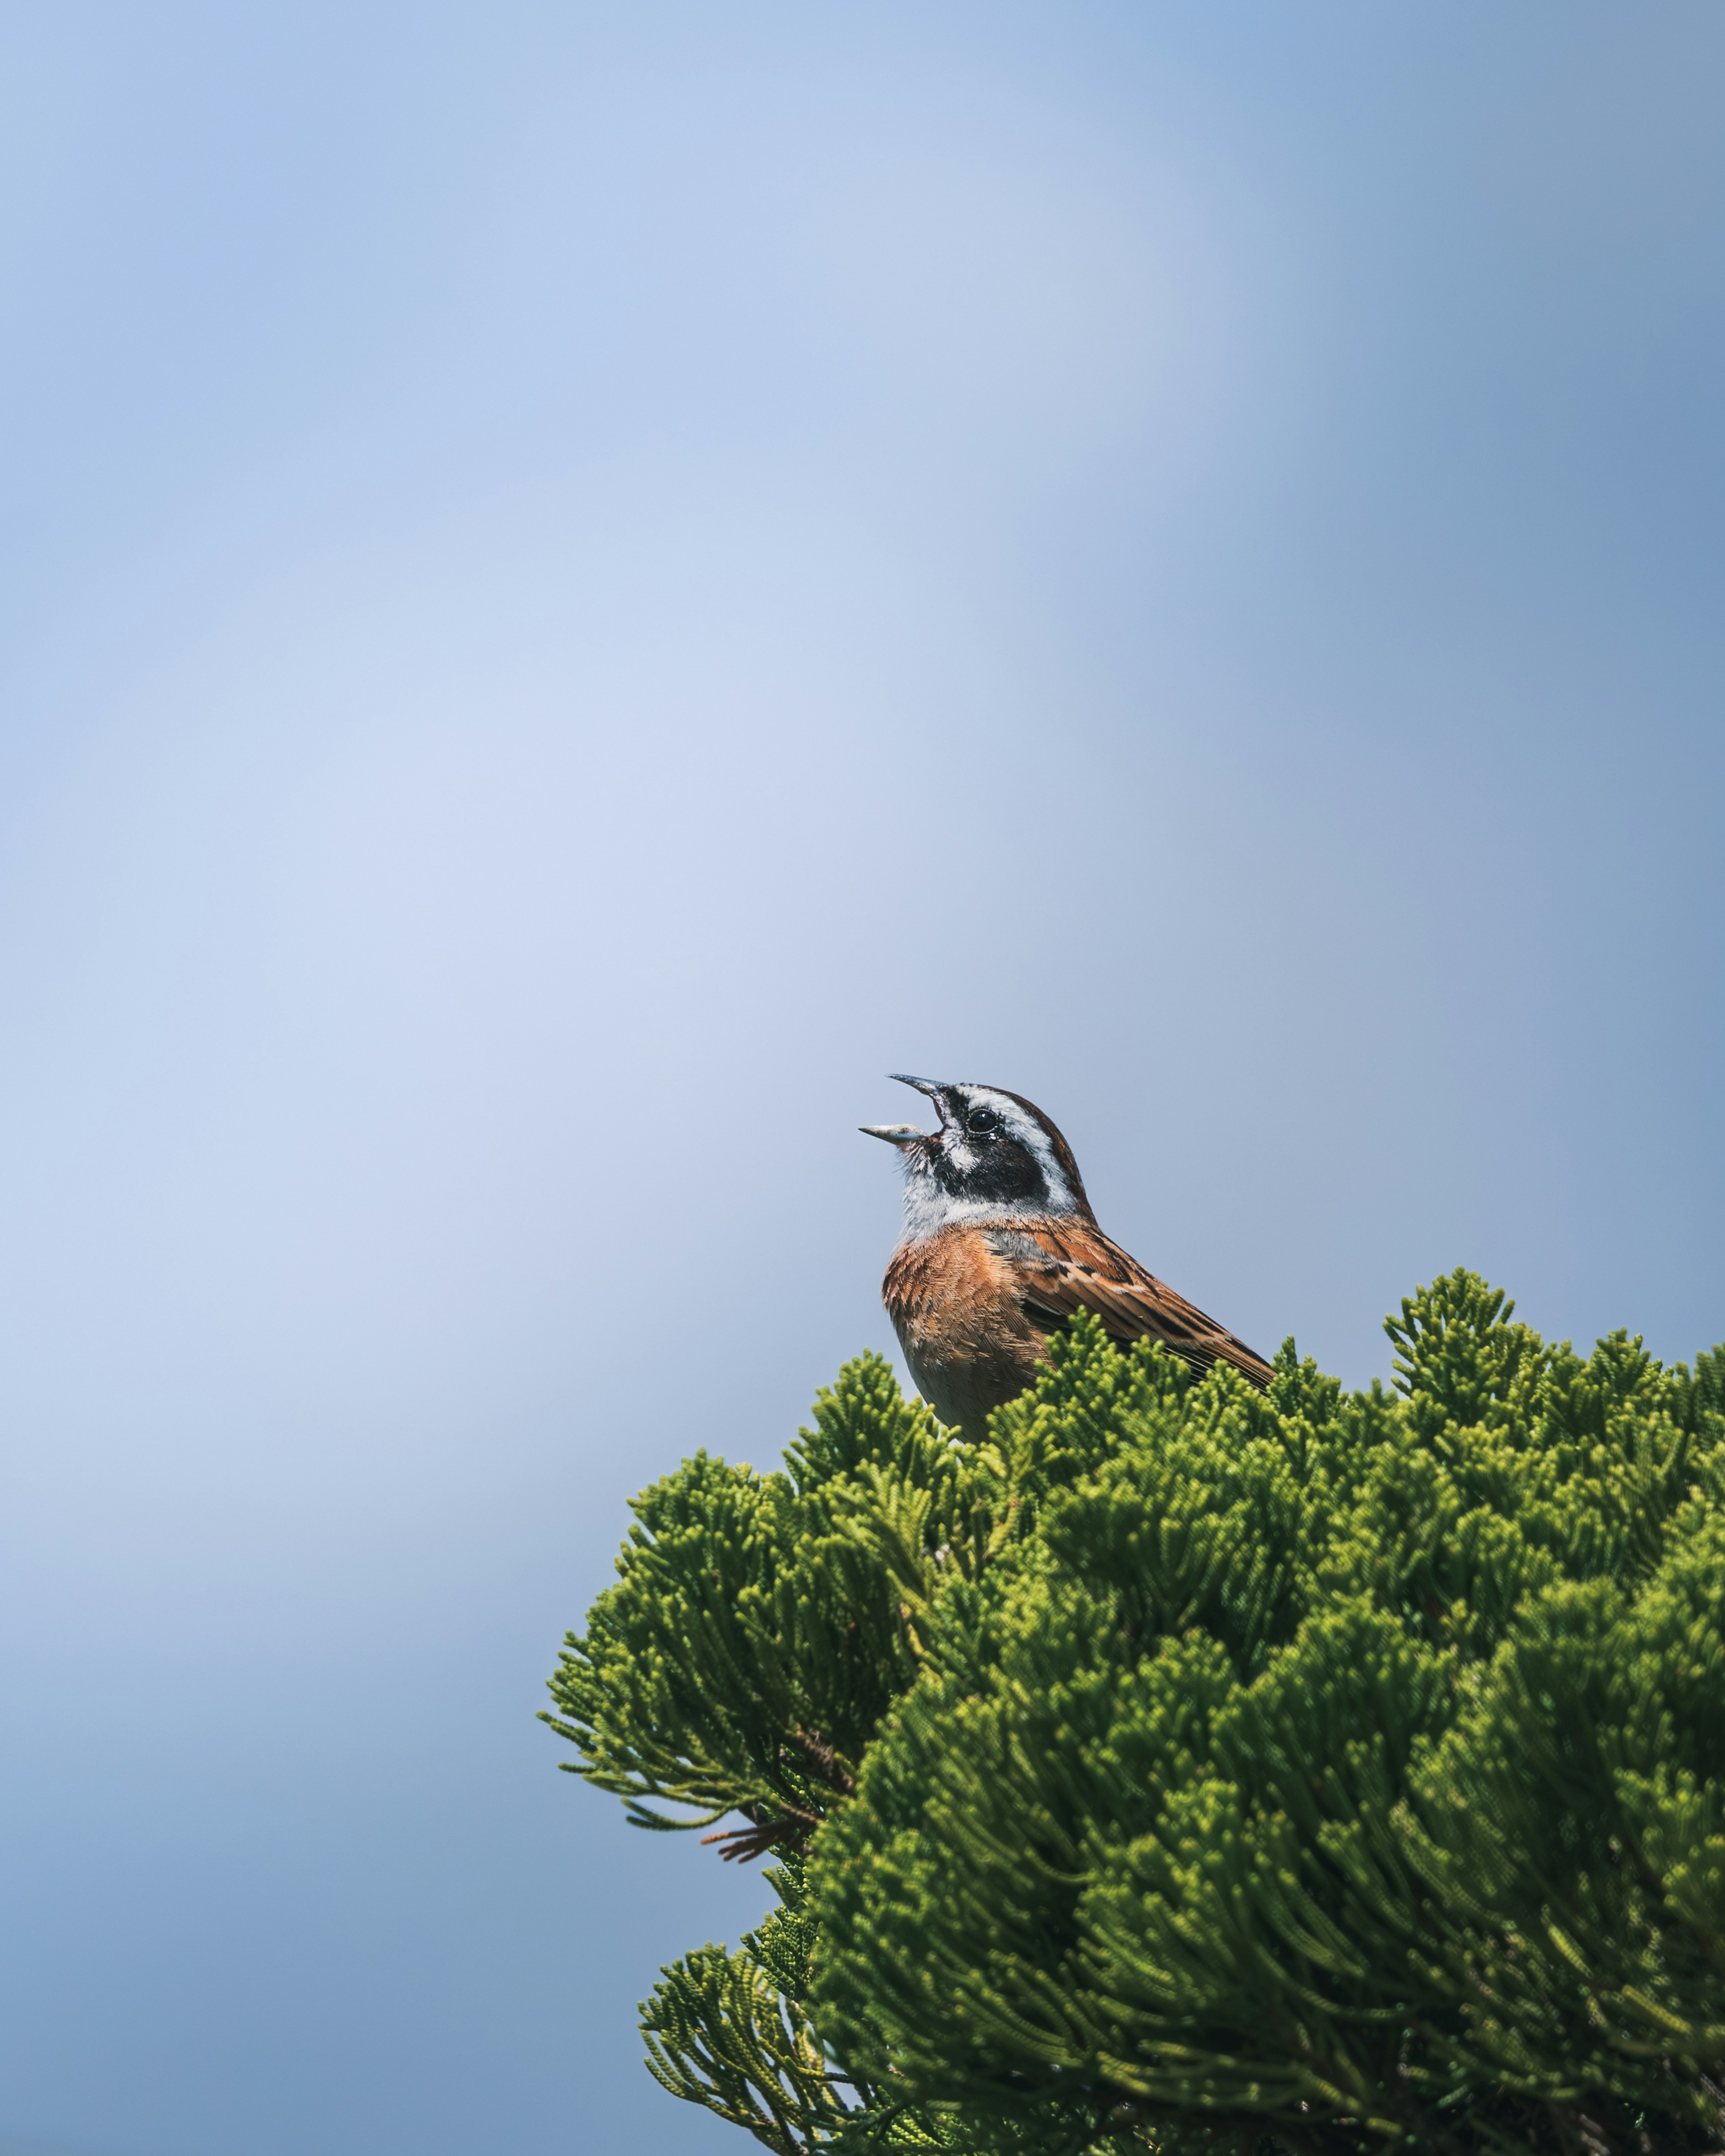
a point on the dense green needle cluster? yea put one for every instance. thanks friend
(1189, 1770)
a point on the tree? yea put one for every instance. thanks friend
(1191, 1769)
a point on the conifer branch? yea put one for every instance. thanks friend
(818, 1758)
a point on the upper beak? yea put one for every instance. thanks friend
(933, 1087)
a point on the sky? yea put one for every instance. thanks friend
(580, 583)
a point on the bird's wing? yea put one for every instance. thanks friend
(1063, 1268)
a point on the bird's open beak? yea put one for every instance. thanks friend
(903, 1134)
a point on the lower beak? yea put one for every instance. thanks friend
(898, 1134)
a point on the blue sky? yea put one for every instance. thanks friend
(580, 584)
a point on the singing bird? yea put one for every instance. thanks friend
(1000, 1248)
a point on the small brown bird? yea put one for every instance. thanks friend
(1000, 1248)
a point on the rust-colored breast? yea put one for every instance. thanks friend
(954, 1305)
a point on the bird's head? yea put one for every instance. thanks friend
(995, 1157)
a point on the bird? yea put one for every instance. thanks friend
(1000, 1249)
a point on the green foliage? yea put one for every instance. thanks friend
(1192, 1769)
(762, 1624)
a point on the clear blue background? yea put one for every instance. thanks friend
(579, 584)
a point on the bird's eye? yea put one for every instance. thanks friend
(982, 1119)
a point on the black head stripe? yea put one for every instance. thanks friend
(1057, 1146)
(1005, 1173)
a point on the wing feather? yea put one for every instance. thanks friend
(1075, 1267)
